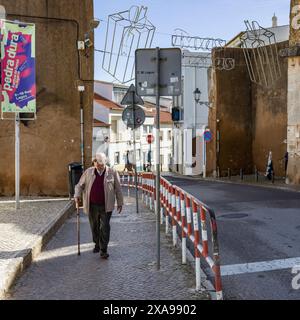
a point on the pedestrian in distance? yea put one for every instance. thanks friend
(100, 188)
(286, 162)
(270, 169)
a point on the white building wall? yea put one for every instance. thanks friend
(195, 115)
(119, 141)
(122, 140)
(101, 113)
(99, 145)
(104, 89)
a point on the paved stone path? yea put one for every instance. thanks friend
(129, 274)
(21, 231)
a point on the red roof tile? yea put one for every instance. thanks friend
(150, 108)
(98, 123)
(107, 103)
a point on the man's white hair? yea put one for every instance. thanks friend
(101, 158)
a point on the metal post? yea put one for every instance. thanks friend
(256, 174)
(204, 157)
(150, 157)
(158, 155)
(17, 160)
(134, 148)
(81, 90)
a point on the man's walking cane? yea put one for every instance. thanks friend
(78, 228)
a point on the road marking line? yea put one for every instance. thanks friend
(253, 267)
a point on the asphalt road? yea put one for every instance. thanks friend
(255, 224)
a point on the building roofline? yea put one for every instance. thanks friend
(243, 32)
(112, 84)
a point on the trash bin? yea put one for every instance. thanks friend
(75, 172)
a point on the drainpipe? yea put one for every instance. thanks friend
(81, 90)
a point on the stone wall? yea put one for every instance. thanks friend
(230, 117)
(269, 121)
(249, 119)
(294, 98)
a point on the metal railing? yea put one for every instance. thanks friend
(181, 209)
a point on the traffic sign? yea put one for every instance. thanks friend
(132, 98)
(170, 64)
(150, 138)
(133, 117)
(207, 136)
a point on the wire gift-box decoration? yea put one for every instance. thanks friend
(126, 31)
(261, 54)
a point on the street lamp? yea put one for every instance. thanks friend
(197, 97)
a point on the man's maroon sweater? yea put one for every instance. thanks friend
(97, 195)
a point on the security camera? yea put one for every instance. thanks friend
(88, 43)
(95, 23)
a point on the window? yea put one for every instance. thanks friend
(147, 129)
(114, 127)
(169, 158)
(117, 158)
(162, 162)
(194, 147)
(169, 135)
(161, 135)
(137, 134)
(138, 155)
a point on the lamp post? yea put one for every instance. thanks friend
(197, 97)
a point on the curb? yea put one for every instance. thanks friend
(192, 178)
(206, 283)
(22, 261)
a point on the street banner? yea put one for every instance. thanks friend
(18, 67)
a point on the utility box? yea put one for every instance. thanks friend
(75, 173)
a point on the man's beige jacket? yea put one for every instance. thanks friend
(112, 189)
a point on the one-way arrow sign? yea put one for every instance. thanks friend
(131, 98)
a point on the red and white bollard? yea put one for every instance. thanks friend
(154, 195)
(142, 185)
(173, 211)
(167, 207)
(147, 189)
(188, 216)
(196, 242)
(204, 232)
(183, 224)
(161, 202)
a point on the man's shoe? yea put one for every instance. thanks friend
(96, 249)
(104, 255)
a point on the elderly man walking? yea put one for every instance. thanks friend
(100, 187)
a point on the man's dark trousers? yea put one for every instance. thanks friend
(99, 222)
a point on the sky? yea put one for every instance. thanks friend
(203, 18)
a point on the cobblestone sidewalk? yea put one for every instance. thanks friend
(24, 232)
(130, 273)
